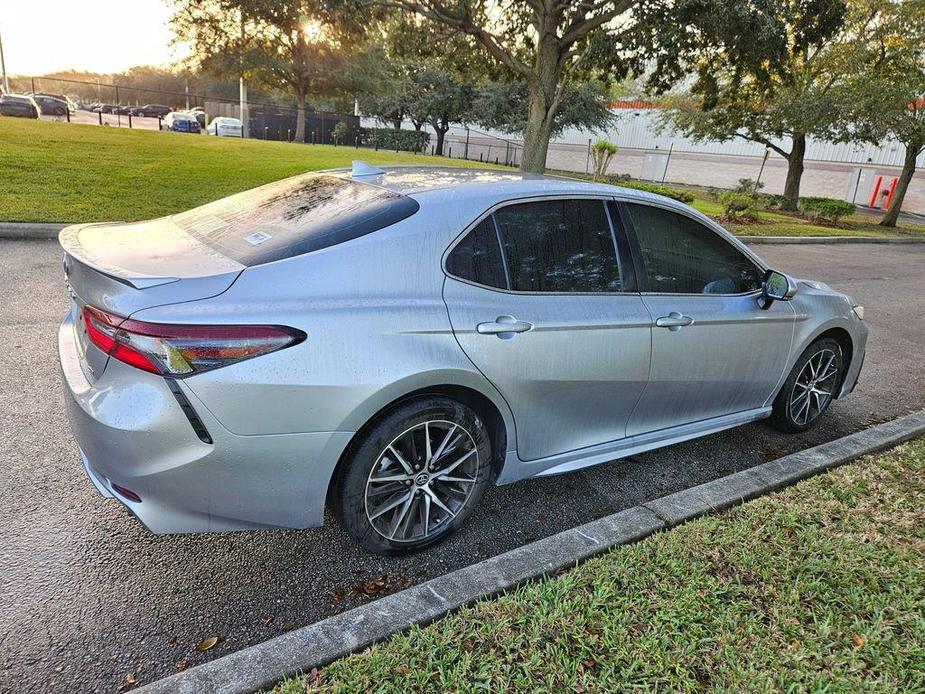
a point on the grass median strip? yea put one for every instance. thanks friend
(61, 172)
(815, 588)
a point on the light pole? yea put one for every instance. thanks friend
(242, 89)
(6, 84)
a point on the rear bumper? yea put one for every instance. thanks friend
(132, 432)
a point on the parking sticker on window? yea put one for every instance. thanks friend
(257, 238)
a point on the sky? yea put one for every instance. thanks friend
(42, 36)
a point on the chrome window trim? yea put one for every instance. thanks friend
(712, 226)
(602, 198)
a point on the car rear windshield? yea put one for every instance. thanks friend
(294, 216)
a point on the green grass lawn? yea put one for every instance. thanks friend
(818, 588)
(772, 223)
(61, 172)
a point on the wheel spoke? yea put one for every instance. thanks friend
(401, 461)
(436, 500)
(427, 449)
(442, 446)
(389, 478)
(426, 506)
(445, 471)
(464, 480)
(400, 516)
(389, 505)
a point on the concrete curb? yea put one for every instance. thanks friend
(831, 239)
(29, 230)
(264, 664)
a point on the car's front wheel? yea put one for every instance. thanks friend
(414, 476)
(810, 387)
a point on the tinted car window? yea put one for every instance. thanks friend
(682, 256)
(294, 216)
(559, 246)
(477, 257)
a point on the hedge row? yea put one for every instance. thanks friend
(391, 138)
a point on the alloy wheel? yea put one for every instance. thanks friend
(421, 481)
(813, 389)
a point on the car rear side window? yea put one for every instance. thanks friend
(294, 216)
(563, 246)
(477, 257)
(682, 256)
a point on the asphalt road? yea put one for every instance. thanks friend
(88, 597)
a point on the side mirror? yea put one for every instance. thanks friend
(776, 287)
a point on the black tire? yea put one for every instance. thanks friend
(797, 408)
(404, 425)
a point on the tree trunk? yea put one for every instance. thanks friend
(300, 117)
(912, 152)
(543, 105)
(396, 122)
(794, 173)
(439, 148)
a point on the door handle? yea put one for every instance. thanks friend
(674, 321)
(504, 327)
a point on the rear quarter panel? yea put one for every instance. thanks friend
(377, 329)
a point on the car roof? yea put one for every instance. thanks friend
(440, 183)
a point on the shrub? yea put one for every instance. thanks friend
(739, 207)
(603, 152)
(770, 201)
(826, 209)
(339, 132)
(714, 193)
(392, 138)
(679, 195)
(748, 186)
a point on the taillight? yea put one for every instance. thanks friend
(180, 350)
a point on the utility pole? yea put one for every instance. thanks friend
(6, 84)
(242, 89)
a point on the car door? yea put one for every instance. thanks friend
(546, 309)
(715, 351)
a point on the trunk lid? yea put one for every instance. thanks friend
(123, 268)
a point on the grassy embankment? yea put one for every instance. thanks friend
(61, 172)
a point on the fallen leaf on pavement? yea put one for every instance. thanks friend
(128, 682)
(206, 644)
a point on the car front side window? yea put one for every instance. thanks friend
(682, 256)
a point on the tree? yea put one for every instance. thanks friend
(504, 106)
(440, 97)
(290, 44)
(544, 44)
(762, 72)
(886, 93)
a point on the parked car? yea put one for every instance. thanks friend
(105, 108)
(152, 110)
(199, 114)
(225, 127)
(180, 123)
(51, 105)
(393, 341)
(19, 105)
(122, 110)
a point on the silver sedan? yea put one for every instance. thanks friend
(390, 342)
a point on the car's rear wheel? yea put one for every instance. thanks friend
(414, 476)
(810, 387)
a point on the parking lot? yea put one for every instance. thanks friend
(89, 596)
